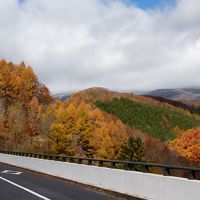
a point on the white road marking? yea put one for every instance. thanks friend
(11, 172)
(26, 189)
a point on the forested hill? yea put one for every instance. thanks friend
(158, 122)
(149, 118)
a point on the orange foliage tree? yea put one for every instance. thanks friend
(188, 145)
(22, 101)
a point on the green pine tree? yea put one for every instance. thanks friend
(132, 150)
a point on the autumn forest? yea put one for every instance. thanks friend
(95, 123)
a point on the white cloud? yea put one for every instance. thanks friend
(84, 43)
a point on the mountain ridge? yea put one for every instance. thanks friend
(180, 94)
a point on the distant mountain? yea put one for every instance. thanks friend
(62, 96)
(182, 94)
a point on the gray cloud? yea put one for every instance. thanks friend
(78, 44)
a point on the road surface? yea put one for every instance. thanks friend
(20, 184)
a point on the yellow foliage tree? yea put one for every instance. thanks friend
(80, 129)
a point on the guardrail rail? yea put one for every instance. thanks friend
(164, 169)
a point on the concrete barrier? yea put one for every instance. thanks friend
(137, 184)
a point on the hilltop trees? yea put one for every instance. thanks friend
(22, 97)
(19, 83)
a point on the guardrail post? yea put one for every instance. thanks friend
(166, 171)
(89, 162)
(63, 159)
(191, 174)
(55, 157)
(146, 169)
(113, 165)
(126, 166)
(100, 163)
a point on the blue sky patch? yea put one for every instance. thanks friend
(150, 4)
(21, 1)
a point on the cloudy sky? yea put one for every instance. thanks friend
(118, 44)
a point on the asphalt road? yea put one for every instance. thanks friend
(20, 184)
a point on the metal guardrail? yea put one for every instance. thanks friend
(166, 170)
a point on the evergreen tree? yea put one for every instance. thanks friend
(132, 150)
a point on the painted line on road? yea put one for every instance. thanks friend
(26, 189)
(11, 172)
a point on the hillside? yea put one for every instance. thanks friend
(158, 122)
(172, 118)
(91, 95)
(189, 106)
